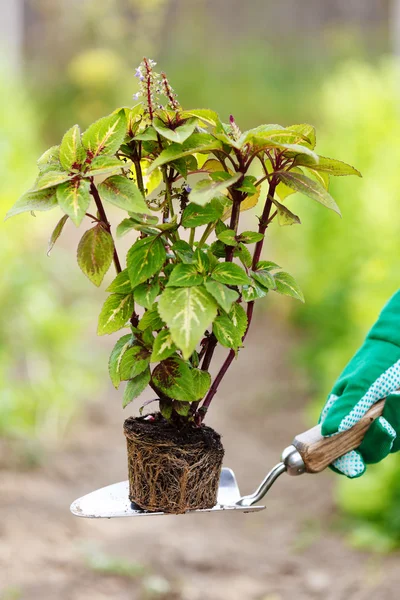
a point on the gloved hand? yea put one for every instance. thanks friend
(372, 374)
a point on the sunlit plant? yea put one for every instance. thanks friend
(192, 275)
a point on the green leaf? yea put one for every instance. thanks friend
(201, 261)
(228, 237)
(201, 383)
(250, 237)
(116, 355)
(184, 276)
(187, 312)
(179, 134)
(248, 186)
(151, 320)
(231, 274)
(128, 224)
(329, 165)
(148, 135)
(206, 115)
(146, 293)
(174, 378)
(31, 201)
(264, 278)
(163, 346)
(222, 294)
(56, 233)
(74, 198)
(72, 153)
(253, 292)
(309, 188)
(95, 253)
(50, 160)
(105, 135)
(145, 258)
(195, 215)
(122, 192)
(116, 311)
(242, 253)
(226, 333)
(50, 179)
(307, 131)
(206, 189)
(268, 265)
(135, 387)
(285, 216)
(121, 284)
(133, 362)
(288, 286)
(184, 251)
(197, 142)
(239, 319)
(102, 165)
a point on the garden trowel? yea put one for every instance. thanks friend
(310, 452)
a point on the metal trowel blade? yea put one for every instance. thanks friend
(113, 501)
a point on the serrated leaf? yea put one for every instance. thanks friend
(50, 179)
(268, 265)
(243, 254)
(31, 201)
(145, 258)
(146, 293)
(124, 193)
(230, 273)
(135, 387)
(105, 135)
(179, 134)
(228, 237)
(285, 216)
(116, 311)
(309, 188)
(187, 312)
(56, 233)
(163, 346)
(207, 189)
(253, 292)
(307, 132)
(222, 294)
(121, 284)
(250, 237)
(148, 135)
(239, 319)
(288, 286)
(205, 114)
(116, 355)
(329, 165)
(197, 142)
(72, 152)
(95, 253)
(201, 382)
(174, 378)
(151, 320)
(50, 160)
(226, 333)
(201, 260)
(102, 165)
(74, 198)
(195, 215)
(184, 276)
(134, 361)
(184, 251)
(264, 279)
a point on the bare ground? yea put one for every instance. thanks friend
(288, 551)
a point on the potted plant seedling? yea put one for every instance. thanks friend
(183, 179)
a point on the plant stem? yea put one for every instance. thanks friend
(234, 223)
(250, 306)
(191, 236)
(211, 345)
(205, 235)
(105, 222)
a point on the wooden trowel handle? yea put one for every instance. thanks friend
(318, 452)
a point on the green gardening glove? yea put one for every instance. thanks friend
(372, 374)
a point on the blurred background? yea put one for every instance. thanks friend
(334, 64)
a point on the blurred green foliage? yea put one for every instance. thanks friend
(45, 371)
(349, 268)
